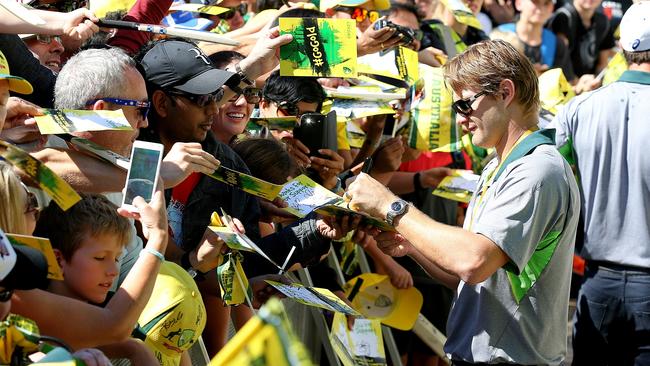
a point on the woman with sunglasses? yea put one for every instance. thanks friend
(233, 115)
(231, 19)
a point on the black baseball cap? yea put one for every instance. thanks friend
(183, 66)
(21, 267)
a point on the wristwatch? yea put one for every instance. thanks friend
(396, 209)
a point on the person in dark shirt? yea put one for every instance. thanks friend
(589, 37)
(541, 46)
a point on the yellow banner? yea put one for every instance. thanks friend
(433, 125)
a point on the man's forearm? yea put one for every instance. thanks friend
(448, 279)
(84, 173)
(469, 256)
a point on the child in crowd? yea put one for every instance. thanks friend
(87, 240)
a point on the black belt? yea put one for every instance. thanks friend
(615, 266)
(463, 363)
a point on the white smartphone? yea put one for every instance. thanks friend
(143, 173)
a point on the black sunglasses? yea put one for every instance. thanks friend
(142, 107)
(252, 95)
(464, 106)
(200, 100)
(5, 295)
(241, 9)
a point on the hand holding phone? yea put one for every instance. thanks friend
(143, 173)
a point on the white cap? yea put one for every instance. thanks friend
(7, 256)
(635, 27)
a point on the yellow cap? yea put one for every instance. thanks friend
(376, 298)
(16, 83)
(174, 317)
(554, 90)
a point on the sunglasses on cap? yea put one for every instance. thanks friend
(199, 100)
(141, 107)
(241, 9)
(359, 14)
(252, 95)
(464, 106)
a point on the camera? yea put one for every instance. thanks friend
(408, 36)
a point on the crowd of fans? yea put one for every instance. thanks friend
(496, 275)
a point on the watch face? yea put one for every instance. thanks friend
(396, 206)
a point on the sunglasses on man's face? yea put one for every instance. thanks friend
(200, 100)
(241, 9)
(140, 106)
(252, 95)
(464, 106)
(359, 14)
(47, 39)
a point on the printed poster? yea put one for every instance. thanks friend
(59, 121)
(320, 47)
(247, 183)
(44, 246)
(303, 196)
(272, 123)
(361, 346)
(433, 123)
(314, 296)
(459, 186)
(47, 180)
(398, 67)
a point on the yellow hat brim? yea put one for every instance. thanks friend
(18, 84)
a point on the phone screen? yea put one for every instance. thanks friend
(142, 174)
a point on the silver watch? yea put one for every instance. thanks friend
(396, 209)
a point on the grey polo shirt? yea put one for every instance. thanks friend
(606, 132)
(519, 313)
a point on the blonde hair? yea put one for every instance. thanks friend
(483, 66)
(12, 214)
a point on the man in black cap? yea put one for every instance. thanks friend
(184, 89)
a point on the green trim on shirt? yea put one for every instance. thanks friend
(567, 151)
(526, 146)
(525, 280)
(634, 76)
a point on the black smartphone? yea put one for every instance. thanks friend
(317, 131)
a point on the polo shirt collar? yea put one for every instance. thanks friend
(634, 76)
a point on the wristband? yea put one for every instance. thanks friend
(416, 182)
(153, 252)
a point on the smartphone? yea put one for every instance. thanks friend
(143, 173)
(317, 131)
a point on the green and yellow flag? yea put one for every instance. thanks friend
(266, 340)
(433, 125)
(320, 47)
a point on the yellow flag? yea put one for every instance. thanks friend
(17, 332)
(101, 7)
(266, 340)
(615, 68)
(554, 90)
(433, 126)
